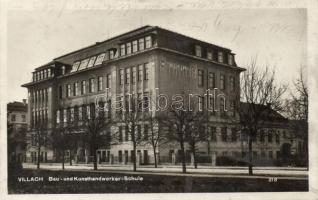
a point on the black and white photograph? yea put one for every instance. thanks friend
(134, 99)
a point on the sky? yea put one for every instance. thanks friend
(277, 37)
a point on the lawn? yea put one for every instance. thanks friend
(101, 182)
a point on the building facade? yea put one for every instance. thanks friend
(17, 114)
(148, 61)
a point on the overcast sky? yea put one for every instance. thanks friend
(276, 36)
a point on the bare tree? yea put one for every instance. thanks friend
(131, 119)
(95, 128)
(39, 138)
(156, 136)
(261, 92)
(195, 133)
(296, 109)
(63, 138)
(179, 119)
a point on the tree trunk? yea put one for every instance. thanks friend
(135, 156)
(250, 155)
(195, 160)
(95, 157)
(39, 151)
(184, 168)
(63, 159)
(155, 156)
(70, 157)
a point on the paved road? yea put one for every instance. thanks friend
(202, 171)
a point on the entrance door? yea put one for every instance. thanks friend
(145, 157)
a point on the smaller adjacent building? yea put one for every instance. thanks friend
(17, 113)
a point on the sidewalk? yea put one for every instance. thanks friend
(282, 172)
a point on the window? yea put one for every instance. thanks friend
(127, 75)
(232, 83)
(64, 115)
(83, 87)
(146, 131)
(234, 134)
(224, 134)
(262, 136)
(200, 77)
(277, 138)
(13, 117)
(211, 80)
(68, 90)
(128, 46)
(111, 54)
(222, 106)
(72, 114)
(201, 103)
(254, 155)
(270, 136)
(222, 82)
(211, 104)
(140, 69)
(80, 113)
(270, 154)
(212, 131)
(75, 89)
(60, 92)
(58, 114)
(141, 44)
(100, 83)
(148, 42)
(83, 64)
(263, 155)
(109, 79)
(220, 56)
(209, 55)
(146, 71)
(138, 132)
(198, 51)
(230, 59)
(75, 66)
(120, 156)
(63, 72)
(133, 77)
(146, 101)
(134, 46)
(23, 118)
(100, 59)
(122, 50)
(91, 85)
(121, 77)
(233, 107)
(91, 62)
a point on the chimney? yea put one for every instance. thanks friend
(24, 101)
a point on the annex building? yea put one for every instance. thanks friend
(147, 61)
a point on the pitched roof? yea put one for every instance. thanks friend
(267, 113)
(17, 106)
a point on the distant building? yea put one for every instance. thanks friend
(17, 117)
(144, 62)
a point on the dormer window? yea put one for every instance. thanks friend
(141, 44)
(230, 59)
(91, 61)
(220, 56)
(63, 70)
(75, 66)
(198, 51)
(148, 42)
(99, 59)
(111, 54)
(134, 46)
(209, 55)
(128, 45)
(122, 50)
